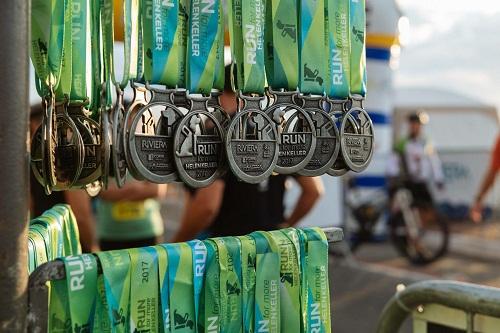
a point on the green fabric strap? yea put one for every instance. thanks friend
(247, 41)
(358, 47)
(181, 288)
(230, 284)
(318, 292)
(81, 279)
(164, 292)
(267, 287)
(144, 290)
(116, 278)
(282, 50)
(210, 305)
(313, 62)
(338, 49)
(248, 258)
(290, 281)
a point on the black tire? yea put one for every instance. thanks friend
(400, 239)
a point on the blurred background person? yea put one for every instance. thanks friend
(415, 163)
(230, 207)
(129, 217)
(476, 212)
(79, 200)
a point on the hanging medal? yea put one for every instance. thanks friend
(357, 128)
(312, 85)
(338, 87)
(128, 9)
(57, 147)
(198, 140)
(252, 138)
(85, 100)
(151, 133)
(297, 140)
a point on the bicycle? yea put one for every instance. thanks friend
(416, 229)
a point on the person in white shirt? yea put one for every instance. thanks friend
(415, 163)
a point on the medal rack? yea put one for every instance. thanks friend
(54, 270)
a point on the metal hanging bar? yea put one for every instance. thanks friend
(14, 181)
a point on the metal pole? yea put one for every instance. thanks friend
(471, 298)
(14, 163)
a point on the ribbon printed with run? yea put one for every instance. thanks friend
(252, 138)
(264, 282)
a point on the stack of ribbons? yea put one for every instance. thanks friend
(265, 282)
(52, 235)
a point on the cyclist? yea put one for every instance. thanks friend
(415, 162)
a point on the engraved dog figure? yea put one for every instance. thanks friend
(191, 133)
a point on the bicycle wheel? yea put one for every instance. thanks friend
(423, 240)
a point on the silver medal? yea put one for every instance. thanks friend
(118, 149)
(356, 133)
(252, 142)
(150, 138)
(198, 145)
(297, 138)
(337, 112)
(327, 137)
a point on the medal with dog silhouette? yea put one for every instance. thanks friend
(198, 141)
(151, 136)
(251, 139)
(297, 138)
(198, 145)
(252, 142)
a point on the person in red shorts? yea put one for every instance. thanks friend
(487, 183)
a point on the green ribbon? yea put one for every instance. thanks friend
(220, 74)
(203, 45)
(144, 290)
(358, 47)
(211, 315)
(267, 286)
(147, 38)
(282, 51)
(338, 49)
(181, 288)
(102, 322)
(164, 292)
(80, 48)
(40, 248)
(63, 89)
(290, 281)
(31, 255)
(116, 268)
(199, 252)
(247, 42)
(313, 69)
(59, 313)
(248, 258)
(230, 283)
(166, 65)
(316, 293)
(50, 22)
(81, 284)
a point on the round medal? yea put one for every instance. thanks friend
(297, 140)
(357, 140)
(150, 141)
(198, 145)
(252, 143)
